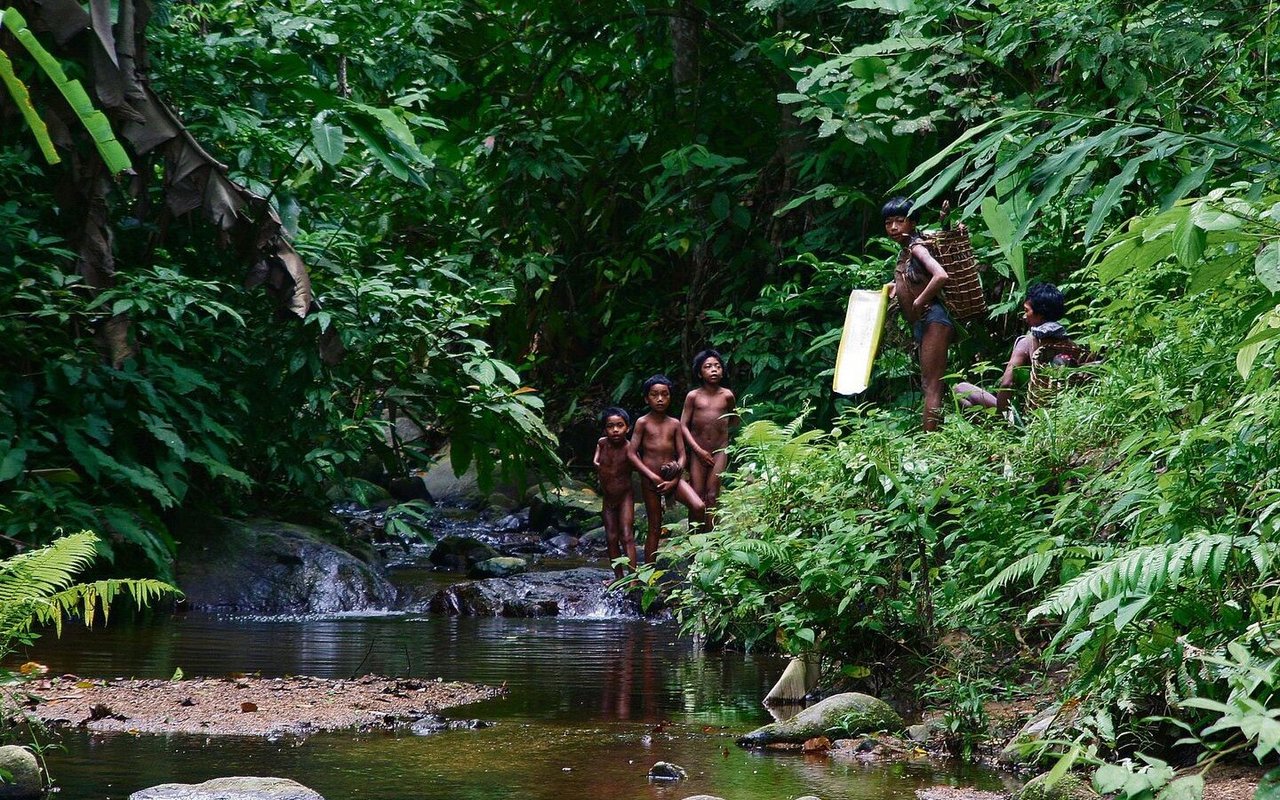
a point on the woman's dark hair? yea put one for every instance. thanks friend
(1047, 301)
(654, 381)
(899, 207)
(701, 358)
(614, 411)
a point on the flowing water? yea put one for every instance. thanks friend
(591, 705)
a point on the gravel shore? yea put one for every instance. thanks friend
(243, 706)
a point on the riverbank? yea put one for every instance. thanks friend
(245, 706)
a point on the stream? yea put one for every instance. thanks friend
(591, 704)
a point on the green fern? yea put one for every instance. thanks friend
(38, 587)
(1144, 571)
(1032, 566)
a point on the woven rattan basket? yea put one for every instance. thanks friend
(963, 292)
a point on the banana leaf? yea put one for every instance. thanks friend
(94, 121)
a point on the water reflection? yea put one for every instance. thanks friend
(592, 705)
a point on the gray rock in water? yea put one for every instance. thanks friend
(703, 797)
(461, 552)
(236, 788)
(572, 593)
(500, 567)
(666, 771)
(269, 567)
(564, 542)
(511, 522)
(847, 714)
(25, 778)
(573, 506)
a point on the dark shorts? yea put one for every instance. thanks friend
(936, 312)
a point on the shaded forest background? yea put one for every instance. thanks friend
(493, 219)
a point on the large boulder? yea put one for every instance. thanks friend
(269, 567)
(571, 593)
(848, 714)
(25, 779)
(235, 788)
(446, 486)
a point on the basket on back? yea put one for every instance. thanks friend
(1055, 365)
(963, 293)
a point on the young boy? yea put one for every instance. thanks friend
(917, 283)
(1042, 309)
(707, 416)
(657, 453)
(617, 507)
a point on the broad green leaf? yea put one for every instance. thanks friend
(1129, 611)
(1188, 241)
(11, 465)
(390, 161)
(1269, 786)
(999, 221)
(1267, 265)
(1208, 218)
(1212, 273)
(328, 140)
(1188, 787)
(1256, 341)
(1106, 201)
(1109, 778)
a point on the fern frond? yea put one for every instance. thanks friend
(1147, 570)
(37, 587)
(1033, 566)
(46, 570)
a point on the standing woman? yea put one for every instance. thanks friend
(917, 283)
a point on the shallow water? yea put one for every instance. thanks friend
(591, 704)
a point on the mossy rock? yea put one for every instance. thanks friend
(25, 779)
(500, 567)
(848, 714)
(1069, 787)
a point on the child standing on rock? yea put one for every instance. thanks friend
(657, 452)
(708, 414)
(613, 466)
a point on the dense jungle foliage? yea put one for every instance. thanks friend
(567, 197)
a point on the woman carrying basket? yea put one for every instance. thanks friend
(917, 284)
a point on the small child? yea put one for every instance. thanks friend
(708, 414)
(617, 507)
(657, 452)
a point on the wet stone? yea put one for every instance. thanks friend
(666, 771)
